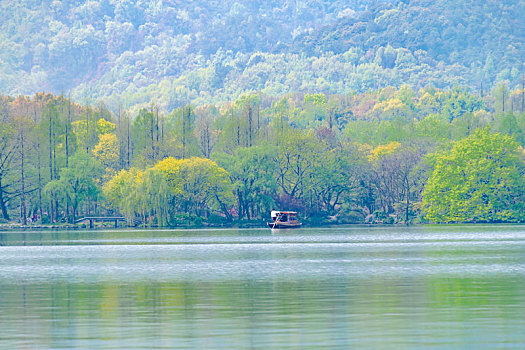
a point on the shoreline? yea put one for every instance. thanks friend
(72, 227)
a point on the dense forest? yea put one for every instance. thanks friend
(213, 112)
(174, 53)
(384, 156)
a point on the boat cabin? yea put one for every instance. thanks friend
(284, 216)
(284, 219)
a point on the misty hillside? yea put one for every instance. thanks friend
(173, 52)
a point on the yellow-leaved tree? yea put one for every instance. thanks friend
(107, 150)
(199, 185)
(158, 195)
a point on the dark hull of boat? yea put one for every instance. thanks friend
(282, 225)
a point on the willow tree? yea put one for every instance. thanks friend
(120, 192)
(198, 185)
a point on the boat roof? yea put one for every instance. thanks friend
(284, 212)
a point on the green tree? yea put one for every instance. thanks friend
(315, 109)
(501, 94)
(458, 102)
(180, 133)
(297, 155)
(77, 183)
(480, 179)
(251, 172)
(144, 137)
(337, 178)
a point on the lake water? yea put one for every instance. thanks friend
(312, 288)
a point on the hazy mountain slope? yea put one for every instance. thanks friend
(57, 44)
(174, 52)
(469, 33)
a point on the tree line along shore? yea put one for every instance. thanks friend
(393, 155)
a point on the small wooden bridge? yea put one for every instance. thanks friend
(92, 220)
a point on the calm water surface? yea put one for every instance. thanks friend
(332, 288)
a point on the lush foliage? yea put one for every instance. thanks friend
(480, 178)
(76, 183)
(359, 111)
(390, 155)
(195, 186)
